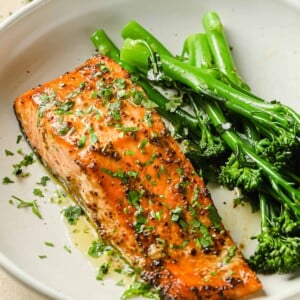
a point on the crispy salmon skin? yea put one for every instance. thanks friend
(122, 165)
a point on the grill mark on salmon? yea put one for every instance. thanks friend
(122, 165)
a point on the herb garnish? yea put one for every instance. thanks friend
(9, 153)
(43, 181)
(102, 271)
(140, 288)
(32, 204)
(72, 213)
(98, 248)
(7, 180)
(27, 160)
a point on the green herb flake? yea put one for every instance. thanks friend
(63, 129)
(27, 160)
(32, 204)
(115, 110)
(150, 161)
(19, 138)
(49, 244)
(140, 288)
(156, 214)
(93, 136)
(133, 198)
(38, 192)
(9, 153)
(230, 255)
(129, 152)
(43, 181)
(102, 271)
(140, 222)
(214, 216)
(148, 118)
(7, 180)
(98, 247)
(119, 83)
(72, 214)
(205, 241)
(142, 145)
(43, 256)
(81, 142)
(67, 249)
(176, 213)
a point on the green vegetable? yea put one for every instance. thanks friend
(220, 49)
(278, 247)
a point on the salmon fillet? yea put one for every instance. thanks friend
(122, 165)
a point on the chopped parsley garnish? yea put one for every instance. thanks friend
(139, 98)
(140, 223)
(115, 110)
(148, 118)
(176, 213)
(27, 160)
(102, 271)
(63, 129)
(140, 288)
(205, 241)
(120, 83)
(93, 136)
(38, 192)
(9, 153)
(214, 216)
(98, 248)
(124, 176)
(72, 213)
(65, 107)
(156, 214)
(150, 161)
(42, 256)
(126, 129)
(7, 180)
(230, 254)
(67, 249)
(43, 181)
(133, 198)
(49, 244)
(19, 138)
(142, 145)
(32, 204)
(81, 142)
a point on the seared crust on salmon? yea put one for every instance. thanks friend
(122, 165)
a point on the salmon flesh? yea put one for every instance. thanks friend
(120, 162)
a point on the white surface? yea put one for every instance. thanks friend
(50, 37)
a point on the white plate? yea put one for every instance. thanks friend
(48, 38)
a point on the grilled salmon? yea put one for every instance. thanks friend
(124, 168)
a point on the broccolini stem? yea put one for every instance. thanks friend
(136, 31)
(220, 49)
(105, 45)
(197, 48)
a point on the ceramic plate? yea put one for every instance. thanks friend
(48, 38)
